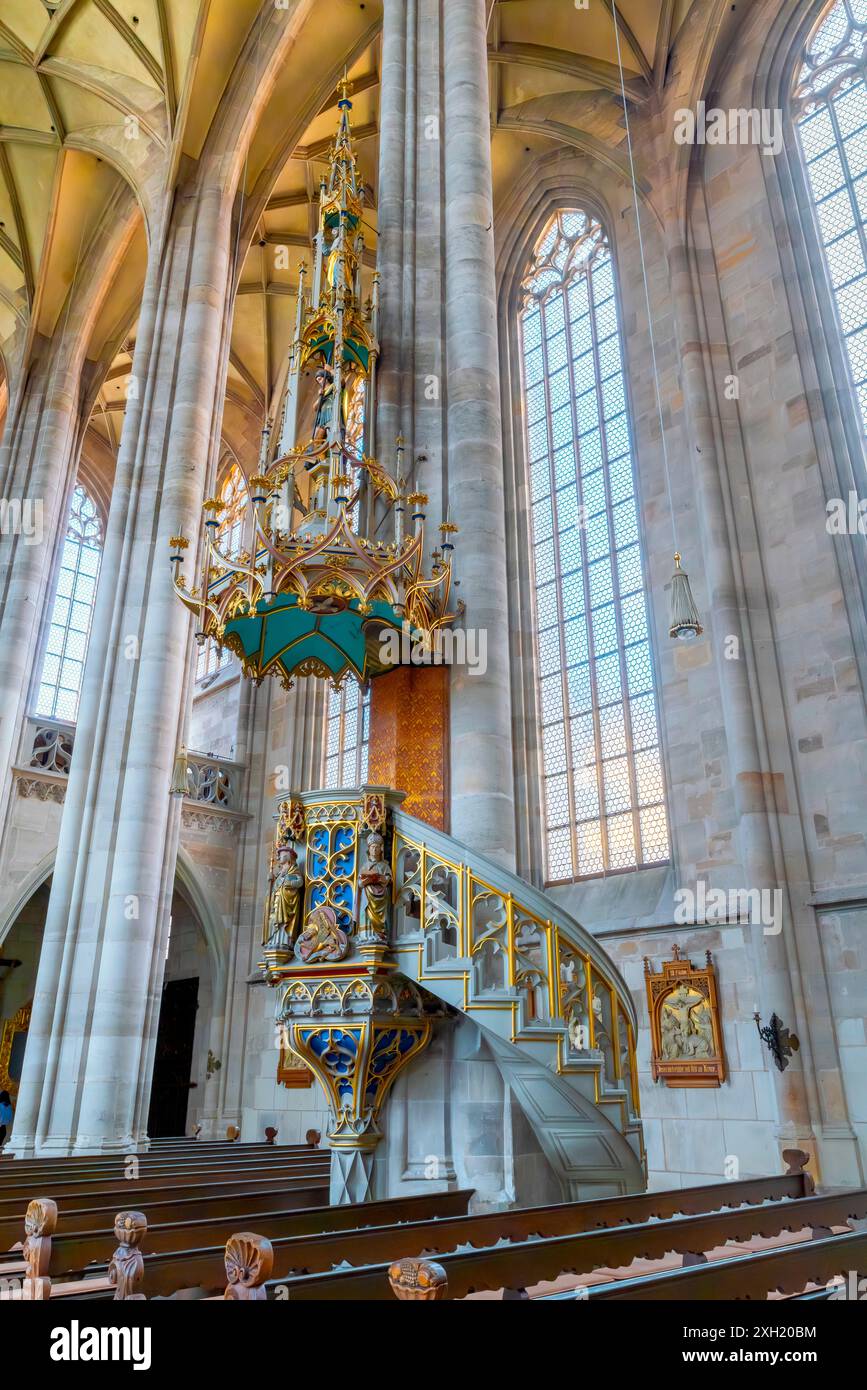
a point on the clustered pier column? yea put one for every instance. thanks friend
(439, 383)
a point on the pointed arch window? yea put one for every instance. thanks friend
(603, 794)
(346, 736)
(229, 542)
(72, 611)
(830, 108)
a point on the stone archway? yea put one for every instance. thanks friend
(19, 961)
(196, 953)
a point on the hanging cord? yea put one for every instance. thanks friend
(236, 256)
(637, 205)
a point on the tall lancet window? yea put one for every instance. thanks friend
(229, 541)
(604, 801)
(72, 613)
(830, 103)
(346, 736)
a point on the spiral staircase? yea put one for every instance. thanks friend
(558, 1018)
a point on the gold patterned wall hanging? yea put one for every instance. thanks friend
(409, 739)
(685, 1029)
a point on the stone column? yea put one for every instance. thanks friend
(798, 995)
(481, 719)
(45, 424)
(86, 1075)
(439, 379)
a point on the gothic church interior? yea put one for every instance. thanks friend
(433, 646)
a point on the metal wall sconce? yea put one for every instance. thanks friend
(780, 1042)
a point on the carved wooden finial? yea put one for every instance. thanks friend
(270, 1134)
(796, 1161)
(415, 1279)
(126, 1267)
(249, 1260)
(313, 1138)
(233, 1132)
(40, 1223)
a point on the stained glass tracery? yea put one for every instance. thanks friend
(603, 793)
(72, 611)
(346, 736)
(830, 106)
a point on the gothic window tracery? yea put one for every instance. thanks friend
(603, 793)
(830, 108)
(72, 611)
(346, 736)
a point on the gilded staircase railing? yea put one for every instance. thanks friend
(505, 953)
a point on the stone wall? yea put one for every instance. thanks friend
(763, 718)
(214, 716)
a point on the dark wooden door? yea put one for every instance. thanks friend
(173, 1062)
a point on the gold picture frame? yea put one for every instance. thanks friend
(18, 1023)
(685, 1028)
(291, 1071)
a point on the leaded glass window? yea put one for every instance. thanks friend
(603, 794)
(72, 612)
(346, 736)
(830, 105)
(229, 542)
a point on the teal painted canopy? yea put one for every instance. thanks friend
(281, 633)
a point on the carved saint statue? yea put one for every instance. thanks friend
(376, 882)
(322, 939)
(287, 889)
(325, 405)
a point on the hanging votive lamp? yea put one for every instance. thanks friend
(180, 774)
(684, 619)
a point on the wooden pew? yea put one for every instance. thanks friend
(527, 1262)
(15, 1195)
(191, 1204)
(194, 1157)
(70, 1255)
(177, 1262)
(290, 1193)
(787, 1271)
(194, 1249)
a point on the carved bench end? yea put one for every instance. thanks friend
(249, 1260)
(414, 1279)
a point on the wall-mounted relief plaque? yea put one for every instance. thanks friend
(685, 1030)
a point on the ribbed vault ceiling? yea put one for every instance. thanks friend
(71, 73)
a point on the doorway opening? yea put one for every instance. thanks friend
(170, 1092)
